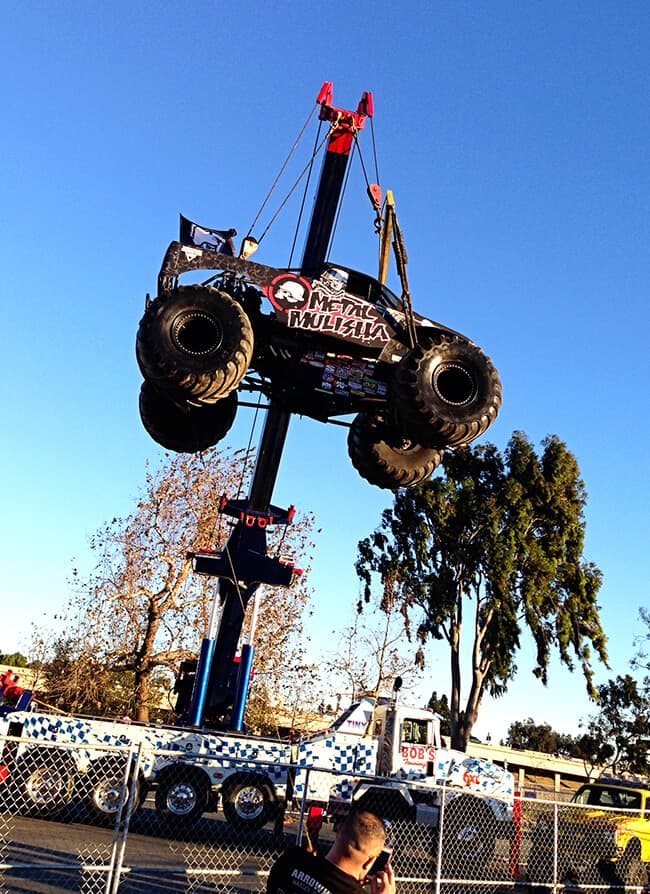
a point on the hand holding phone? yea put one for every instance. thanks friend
(381, 862)
(381, 877)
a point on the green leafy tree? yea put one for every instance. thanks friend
(616, 739)
(440, 706)
(526, 734)
(14, 659)
(143, 610)
(498, 538)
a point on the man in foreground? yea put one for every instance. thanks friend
(344, 870)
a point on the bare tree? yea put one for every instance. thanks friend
(142, 608)
(370, 654)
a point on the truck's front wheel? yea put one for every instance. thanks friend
(389, 805)
(248, 801)
(631, 872)
(195, 343)
(469, 835)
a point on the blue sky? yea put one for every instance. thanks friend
(515, 138)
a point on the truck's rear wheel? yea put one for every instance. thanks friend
(43, 783)
(107, 791)
(182, 795)
(539, 868)
(469, 835)
(446, 392)
(387, 460)
(185, 428)
(248, 801)
(196, 343)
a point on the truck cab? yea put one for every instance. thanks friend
(407, 741)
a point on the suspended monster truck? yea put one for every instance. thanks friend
(321, 340)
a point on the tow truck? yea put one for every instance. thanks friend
(383, 755)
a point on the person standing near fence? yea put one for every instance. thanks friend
(344, 870)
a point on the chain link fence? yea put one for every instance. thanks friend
(139, 821)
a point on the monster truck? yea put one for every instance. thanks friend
(336, 342)
(319, 340)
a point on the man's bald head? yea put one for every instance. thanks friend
(362, 834)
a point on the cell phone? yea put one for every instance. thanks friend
(381, 862)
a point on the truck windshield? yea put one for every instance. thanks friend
(622, 798)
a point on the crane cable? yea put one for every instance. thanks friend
(293, 188)
(282, 169)
(304, 194)
(357, 148)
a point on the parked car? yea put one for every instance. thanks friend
(601, 837)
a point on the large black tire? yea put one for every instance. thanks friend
(43, 783)
(540, 866)
(195, 343)
(630, 871)
(185, 428)
(386, 460)
(248, 801)
(182, 795)
(446, 393)
(469, 836)
(106, 791)
(412, 842)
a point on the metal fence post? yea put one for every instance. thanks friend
(123, 819)
(556, 839)
(441, 829)
(303, 803)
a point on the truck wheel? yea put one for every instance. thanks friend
(631, 872)
(248, 801)
(539, 868)
(43, 783)
(446, 392)
(182, 795)
(469, 835)
(386, 460)
(188, 428)
(195, 342)
(107, 793)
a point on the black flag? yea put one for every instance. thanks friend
(202, 237)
